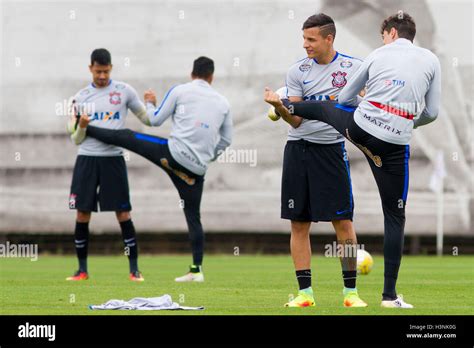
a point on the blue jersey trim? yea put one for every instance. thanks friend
(345, 107)
(164, 99)
(335, 57)
(348, 170)
(346, 56)
(405, 186)
(151, 139)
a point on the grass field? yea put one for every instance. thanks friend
(235, 285)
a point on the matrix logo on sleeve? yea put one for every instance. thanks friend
(37, 331)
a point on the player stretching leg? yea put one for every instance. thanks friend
(100, 173)
(201, 130)
(400, 77)
(315, 159)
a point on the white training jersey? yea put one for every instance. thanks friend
(312, 81)
(202, 123)
(403, 90)
(107, 107)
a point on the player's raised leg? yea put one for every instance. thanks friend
(190, 193)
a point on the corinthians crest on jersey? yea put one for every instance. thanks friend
(115, 98)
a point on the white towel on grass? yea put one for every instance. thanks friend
(144, 304)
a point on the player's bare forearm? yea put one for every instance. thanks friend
(273, 99)
(292, 120)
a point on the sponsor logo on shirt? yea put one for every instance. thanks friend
(115, 98)
(105, 116)
(199, 124)
(346, 64)
(320, 97)
(394, 83)
(339, 79)
(305, 67)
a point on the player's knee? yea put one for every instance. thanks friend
(344, 226)
(300, 228)
(83, 216)
(123, 216)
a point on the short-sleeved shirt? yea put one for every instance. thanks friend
(312, 81)
(107, 107)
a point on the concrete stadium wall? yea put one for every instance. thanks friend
(45, 52)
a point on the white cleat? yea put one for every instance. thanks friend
(398, 303)
(190, 277)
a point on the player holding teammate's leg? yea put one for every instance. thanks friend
(100, 173)
(201, 130)
(316, 183)
(400, 78)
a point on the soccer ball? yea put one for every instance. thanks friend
(365, 262)
(271, 112)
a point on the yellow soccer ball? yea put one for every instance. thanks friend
(365, 262)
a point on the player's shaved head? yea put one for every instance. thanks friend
(322, 21)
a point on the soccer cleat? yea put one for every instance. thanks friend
(352, 299)
(302, 300)
(191, 277)
(397, 303)
(78, 276)
(136, 276)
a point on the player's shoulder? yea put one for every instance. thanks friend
(84, 92)
(347, 61)
(300, 66)
(222, 99)
(121, 86)
(430, 55)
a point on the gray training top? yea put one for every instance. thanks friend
(107, 108)
(202, 124)
(401, 78)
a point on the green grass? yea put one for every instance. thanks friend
(237, 285)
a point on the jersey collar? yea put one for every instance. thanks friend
(93, 84)
(335, 57)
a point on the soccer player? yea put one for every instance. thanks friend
(403, 92)
(100, 174)
(316, 183)
(201, 131)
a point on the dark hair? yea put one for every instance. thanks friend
(403, 23)
(324, 22)
(101, 56)
(203, 67)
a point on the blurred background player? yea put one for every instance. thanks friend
(316, 183)
(100, 174)
(201, 131)
(403, 92)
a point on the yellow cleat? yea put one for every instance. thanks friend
(352, 299)
(302, 300)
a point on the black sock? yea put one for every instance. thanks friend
(81, 241)
(130, 242)
(349, 278)
(195, 268)
(304, 278)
